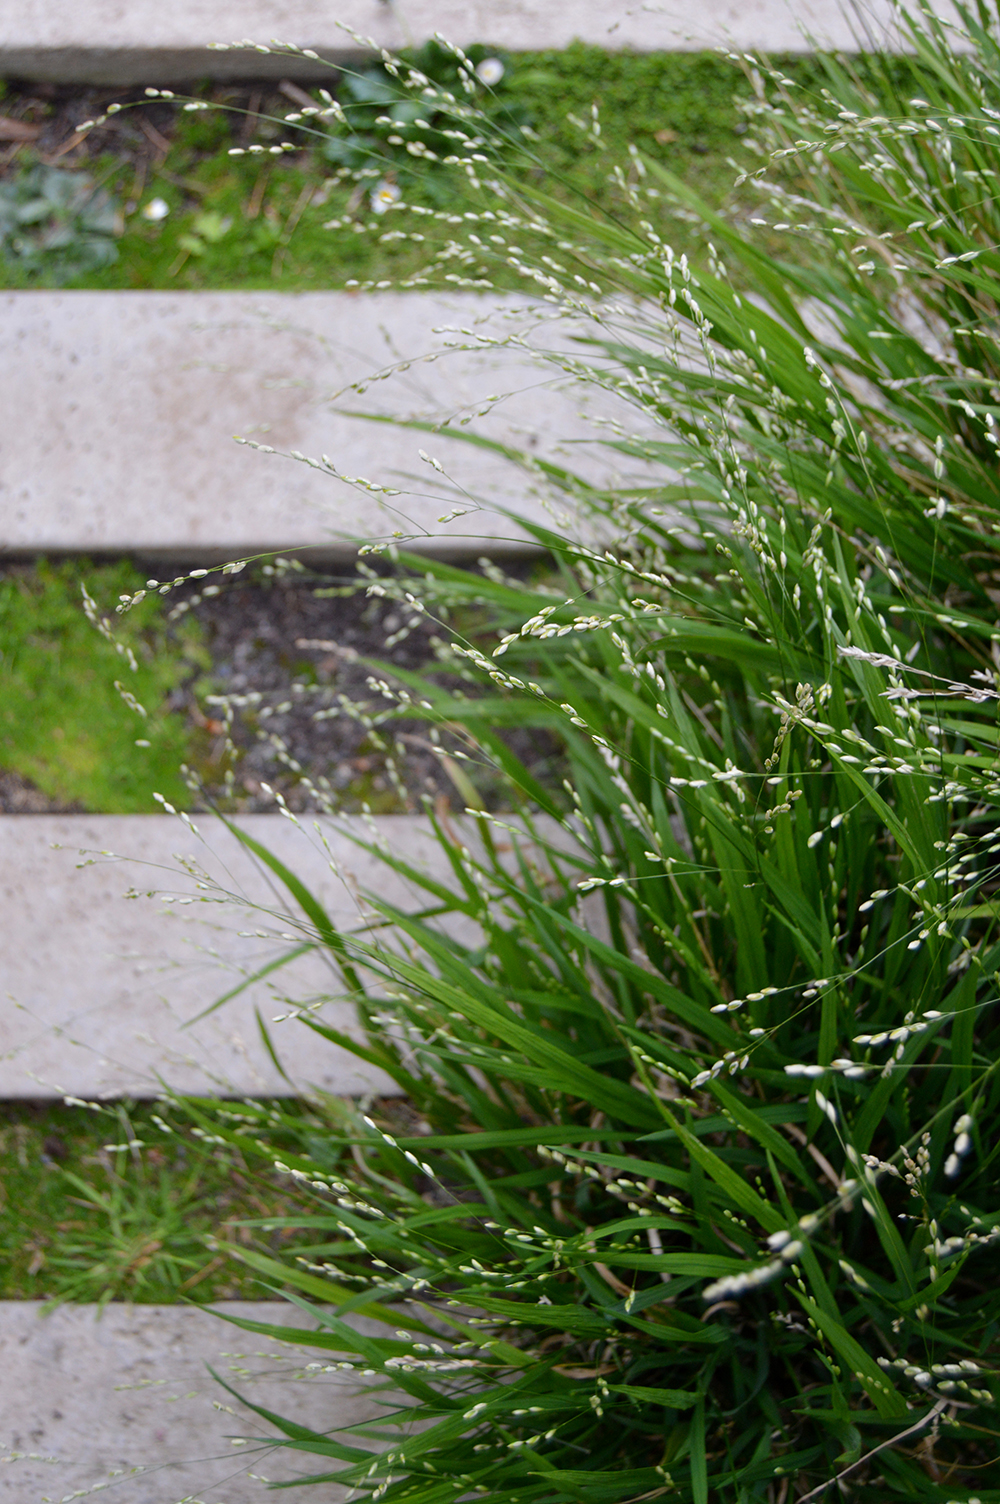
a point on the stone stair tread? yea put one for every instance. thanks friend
(103, 41)
(120, 410)
(86, 1392)
(97, 986)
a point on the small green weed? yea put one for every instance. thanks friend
(63, 724)
(387, 131)
(57, 224)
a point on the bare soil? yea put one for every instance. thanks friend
(19, 796)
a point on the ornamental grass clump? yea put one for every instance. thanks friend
(691, 1189)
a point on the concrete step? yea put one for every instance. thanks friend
(103, 41)
(120, 410)
(122, 1400)
(97, 987)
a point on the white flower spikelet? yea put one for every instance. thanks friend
(960, 1148)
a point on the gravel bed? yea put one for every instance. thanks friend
(298, 654)
(295, 657)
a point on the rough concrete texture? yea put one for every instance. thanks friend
(124, 1402)
(120, 410)
(138, 41)
(97, 986)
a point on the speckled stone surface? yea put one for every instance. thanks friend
(124, 1401)
(120, 411)
(98, 987)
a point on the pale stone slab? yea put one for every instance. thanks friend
(137, 41)
(124, 1401)
(120, 410)
(97, 986)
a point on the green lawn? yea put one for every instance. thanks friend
(63, 723)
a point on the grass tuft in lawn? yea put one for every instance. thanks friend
(128, 1201)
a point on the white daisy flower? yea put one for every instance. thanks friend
(156, 209)
(383, 194)
(490, 71)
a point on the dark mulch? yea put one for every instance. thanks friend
(302, 653)
(309, 655)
